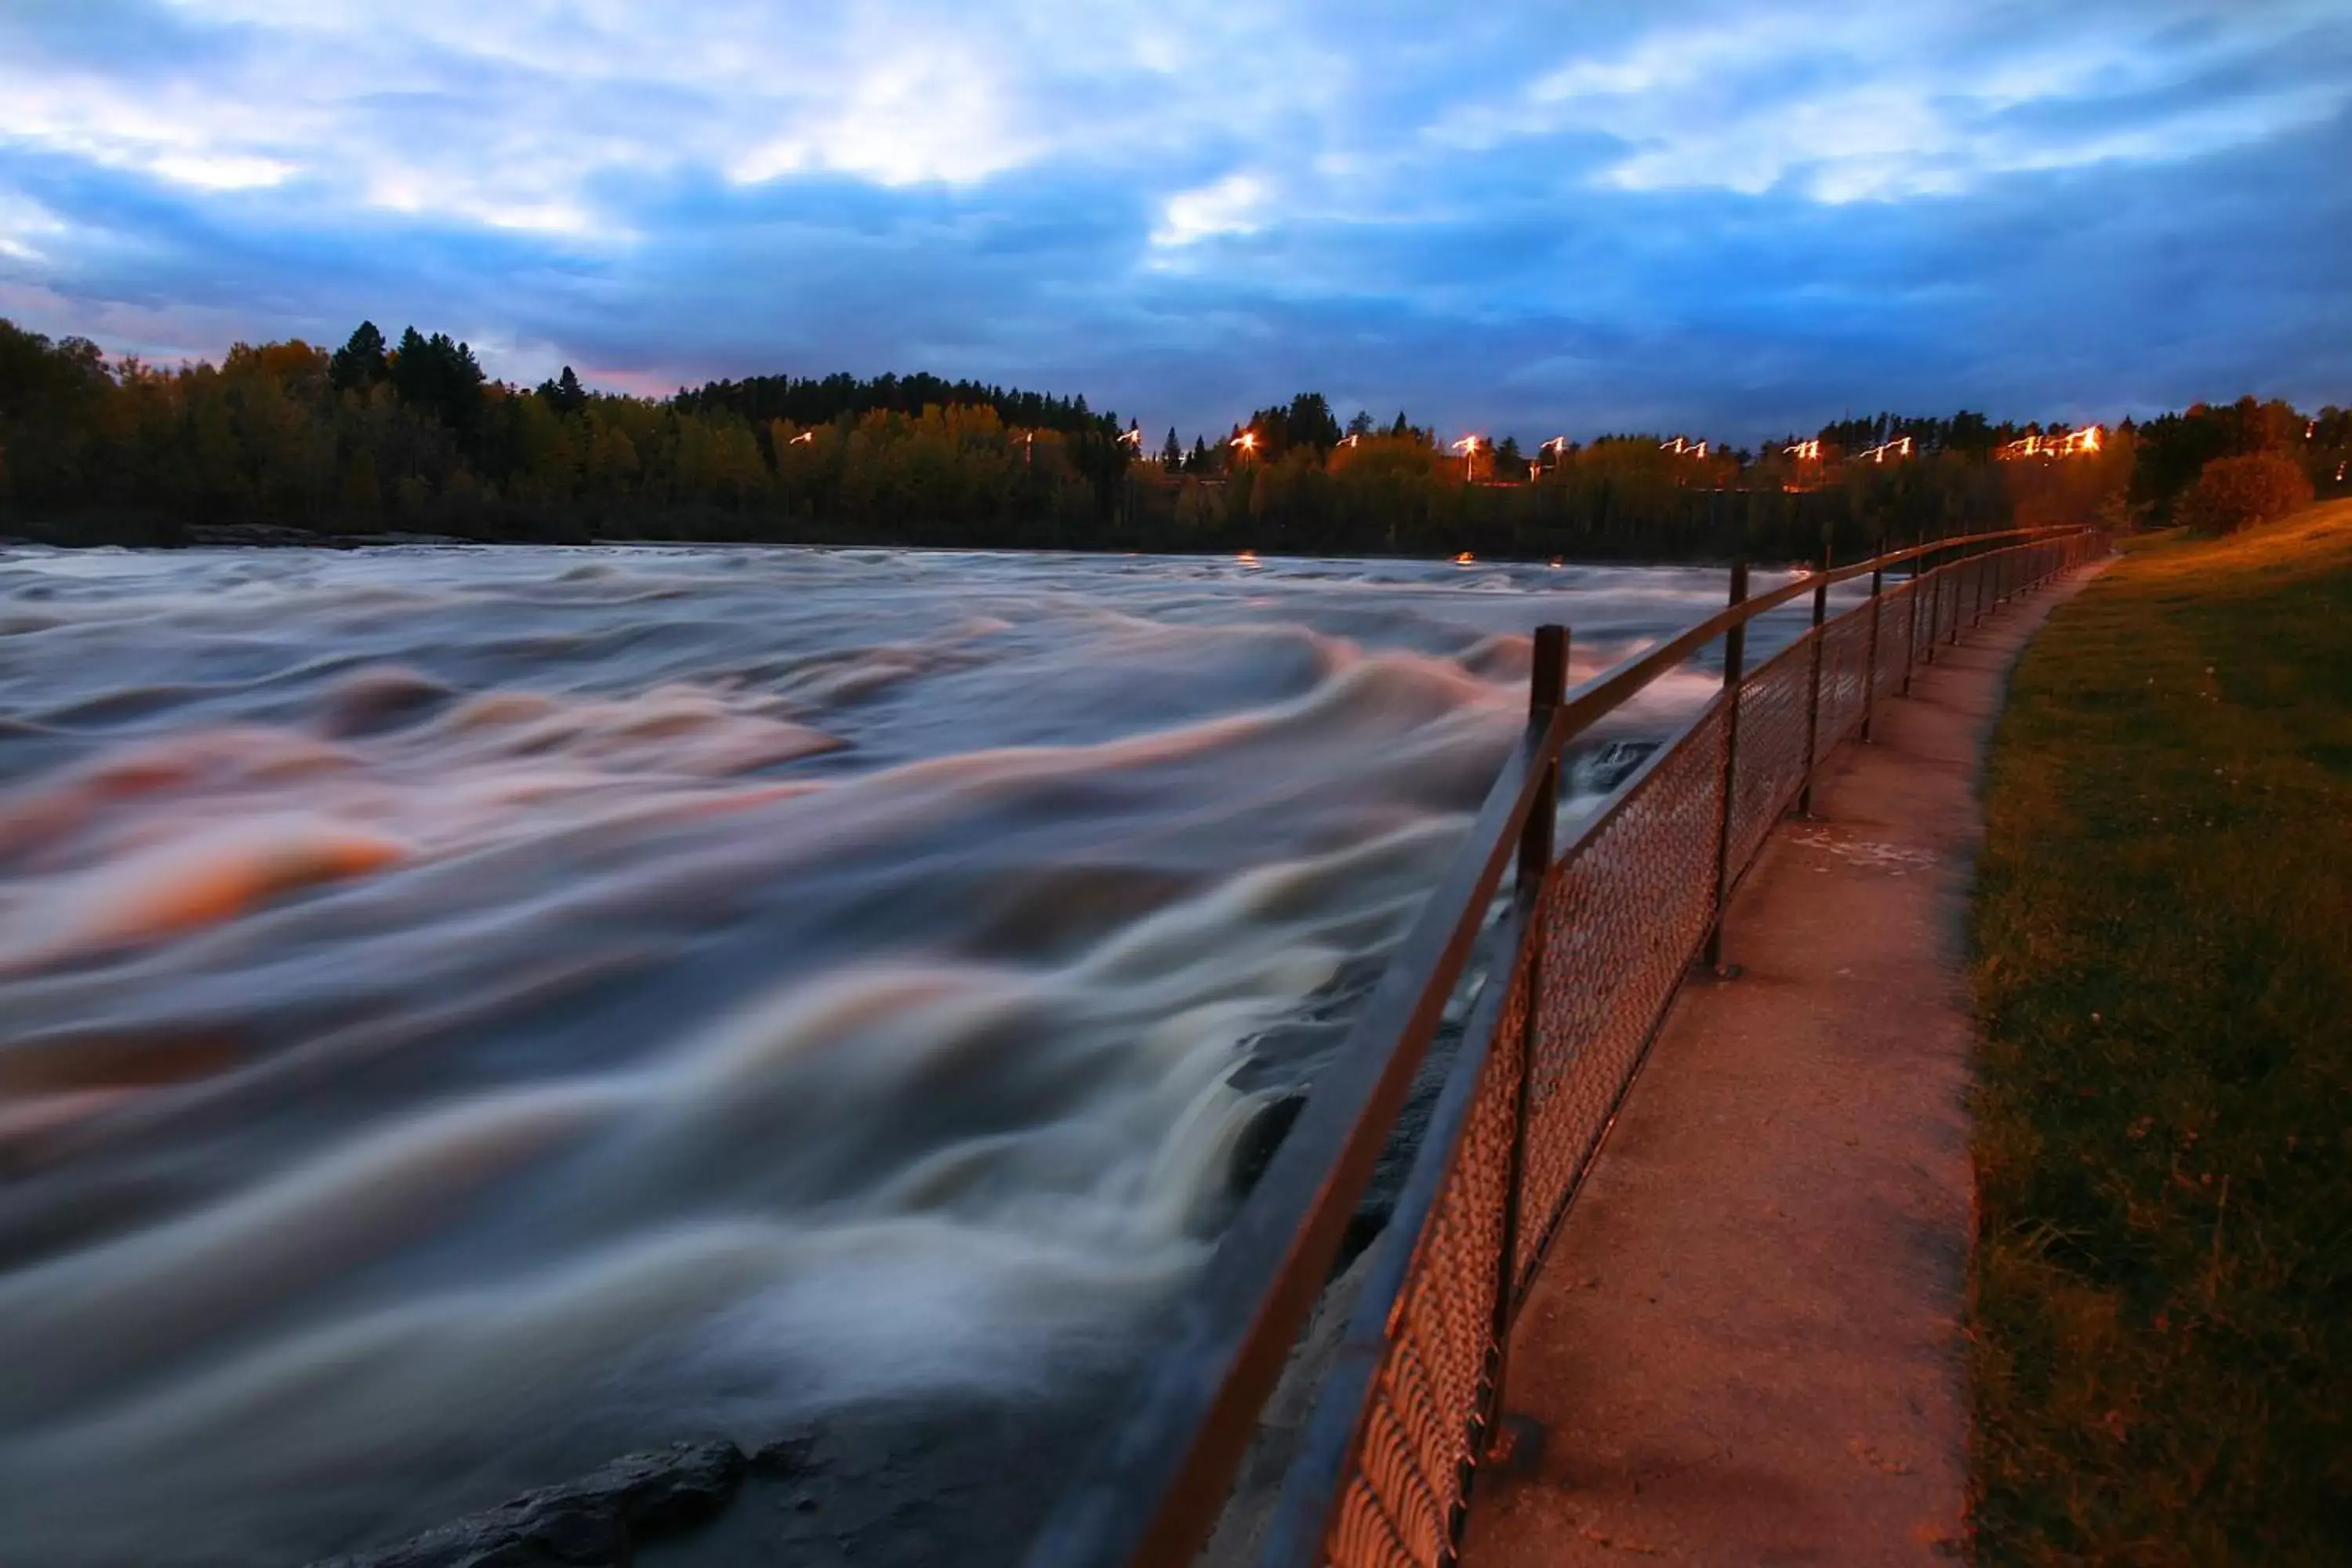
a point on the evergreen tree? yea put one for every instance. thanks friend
(1310, 424)
(565, 394)
(1400, 429)
(1171, 454)
(358, 363)
(437, 376)
(1361, 424)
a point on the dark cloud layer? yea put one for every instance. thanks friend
(1688, 221)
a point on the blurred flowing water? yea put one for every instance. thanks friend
(465, 1014)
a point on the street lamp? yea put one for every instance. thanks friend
(1468, 448)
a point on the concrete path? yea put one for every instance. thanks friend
(1745, 1348)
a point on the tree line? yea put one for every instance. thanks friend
(414, 436)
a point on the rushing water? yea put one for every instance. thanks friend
(467, 1012)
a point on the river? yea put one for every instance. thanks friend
(466, 1013)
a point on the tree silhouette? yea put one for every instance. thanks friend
(1311, 424)
(565, 394)
(360, 363)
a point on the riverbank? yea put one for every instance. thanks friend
(2162, 1292)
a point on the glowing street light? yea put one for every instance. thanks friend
(802, 440)
(1133, 436)
(1900, 447)
(1805, 452)
(2074, 444)
(1683, 446)
(1468, 447)
(1248, 442)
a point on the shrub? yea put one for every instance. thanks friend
(2231, 493)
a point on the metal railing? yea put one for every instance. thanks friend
(1587, 954)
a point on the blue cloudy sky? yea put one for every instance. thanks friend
(1728, 215)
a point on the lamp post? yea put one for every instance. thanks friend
(1468, 448)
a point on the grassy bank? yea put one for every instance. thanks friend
(2163, 939)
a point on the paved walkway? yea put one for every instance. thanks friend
(1746, 1346)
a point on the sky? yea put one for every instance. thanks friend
(1731, 218)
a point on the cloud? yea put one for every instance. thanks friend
(1846, 101)
(1232, 205)
(1747, 213)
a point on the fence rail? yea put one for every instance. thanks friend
(1589, 949)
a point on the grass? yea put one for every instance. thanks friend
(2162, 1297)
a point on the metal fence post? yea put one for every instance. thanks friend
(1870, 659)
(1814, 693)
(1735, 662)
(1935, 613)
(1546, 683)
(1957, 566)
(1911, 627)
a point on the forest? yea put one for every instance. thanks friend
(291, 442)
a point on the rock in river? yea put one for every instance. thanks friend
(595, 1521)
